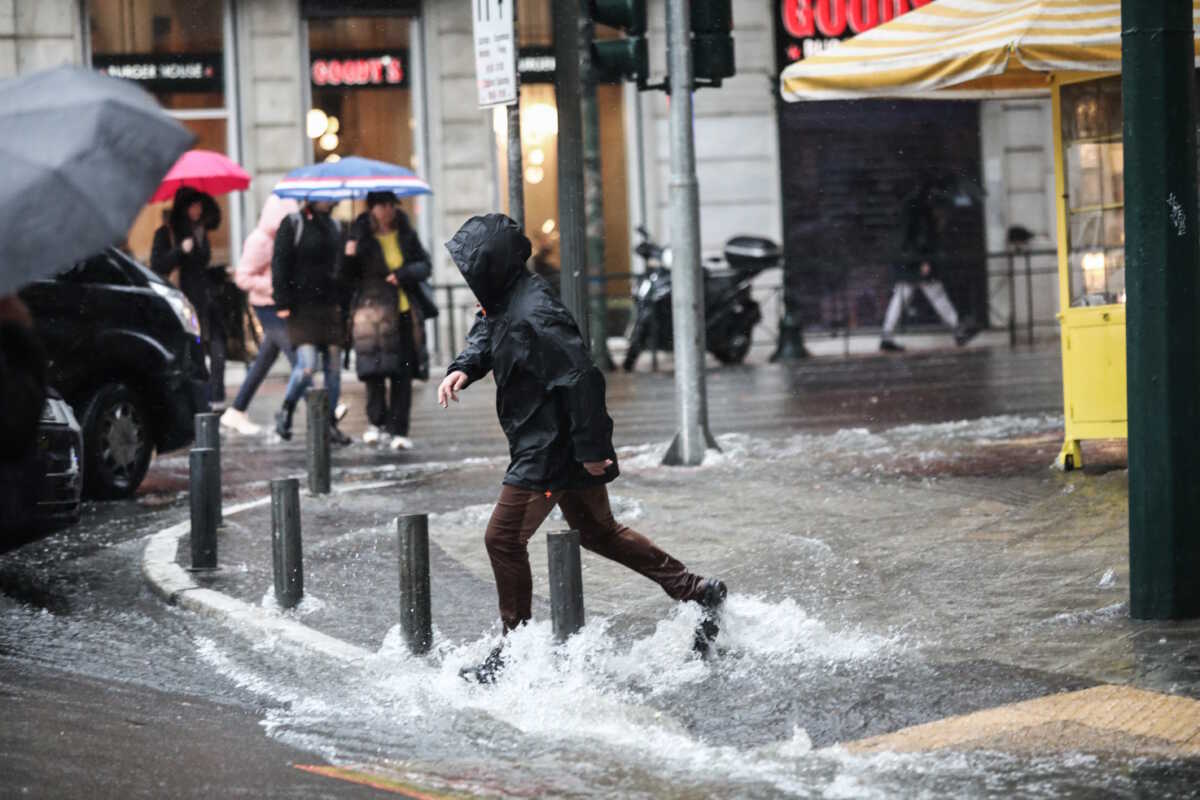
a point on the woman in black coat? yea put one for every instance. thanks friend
(308, 295)
(384, 267)
(181, 254)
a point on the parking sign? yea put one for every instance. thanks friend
(495, 52)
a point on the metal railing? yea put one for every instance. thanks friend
(1007, 271)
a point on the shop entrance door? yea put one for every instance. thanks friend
(361, 97)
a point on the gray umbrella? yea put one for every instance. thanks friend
(82, 153)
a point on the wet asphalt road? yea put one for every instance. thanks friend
(102, 688)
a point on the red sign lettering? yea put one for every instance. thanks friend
(376, 71)
(829, 19)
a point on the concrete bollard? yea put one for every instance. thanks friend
(566, 583)
(286, 550)
(208, 434)
(318, 441)
(416, 620)
(202, 462)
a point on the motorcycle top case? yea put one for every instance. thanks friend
(752, 252)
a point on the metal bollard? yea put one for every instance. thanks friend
(416, 620)
(318, 441)
(202, 462)
(566, 583)
(208, 434)
(285, 542)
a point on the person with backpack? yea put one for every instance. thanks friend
(253, 276)
(550, 399)
(305, 265)
(385, 264)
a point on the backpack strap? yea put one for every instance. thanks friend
(298, 227)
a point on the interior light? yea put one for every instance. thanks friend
(334, 125)
(537, 156)
(1094, 276)
(539, 121)
(333, 158)
(329, 141)
(316, 123)
(535, 175)
(548, 227)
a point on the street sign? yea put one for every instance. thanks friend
(495, 53)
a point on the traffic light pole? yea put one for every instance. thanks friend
(687, 289)
(1162, 268)
(516, 169)
(593, 200)
(571, 221)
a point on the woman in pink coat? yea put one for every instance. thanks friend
(253, 276)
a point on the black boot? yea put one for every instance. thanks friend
(711, 599)
(336, 437)
(283, 422)
(489, 670)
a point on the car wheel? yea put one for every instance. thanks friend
(117, 444)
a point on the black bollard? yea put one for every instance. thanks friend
(416, 620)
(318, 441)
(566, 583)
(285, 542)
(202, 463)
(208, 434)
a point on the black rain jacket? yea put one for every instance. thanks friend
(167, 255)
(549, 394)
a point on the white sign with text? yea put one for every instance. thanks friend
(495, 52)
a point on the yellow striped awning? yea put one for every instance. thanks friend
(966, 48)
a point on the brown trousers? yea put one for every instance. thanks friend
(518, 514)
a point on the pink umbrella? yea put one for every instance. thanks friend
(204, 171)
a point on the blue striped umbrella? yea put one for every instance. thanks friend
(348, 178)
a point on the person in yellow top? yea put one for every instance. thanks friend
(384, 265)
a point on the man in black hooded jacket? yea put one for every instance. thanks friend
(550, 400)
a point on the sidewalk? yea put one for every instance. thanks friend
(879, 580)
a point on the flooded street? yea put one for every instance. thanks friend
(884, 574)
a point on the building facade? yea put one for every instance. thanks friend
(279, 83)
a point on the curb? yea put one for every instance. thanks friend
(173, 584)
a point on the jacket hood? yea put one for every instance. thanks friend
(490, 252)
(273, 212)
(210, 215)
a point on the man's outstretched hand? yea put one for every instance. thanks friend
(451, 385)
(597, 467)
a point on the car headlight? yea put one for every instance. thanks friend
(185, 312)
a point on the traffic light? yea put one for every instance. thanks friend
(712, 41)
(624, 59)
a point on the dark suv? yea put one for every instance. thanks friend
(125, 352)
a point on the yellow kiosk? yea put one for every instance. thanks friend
(1090, 177)
(1071, 49)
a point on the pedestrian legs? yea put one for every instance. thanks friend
(377, 401)
(332, 365)
(936, 293)
(274, 342)
(517, 514)
(301, 378)
(901, 295)
(216, 355)
(588, 511)
(401, 405)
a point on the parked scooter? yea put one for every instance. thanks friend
(730, 313)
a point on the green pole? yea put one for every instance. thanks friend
(593, 199)
(1163, 310)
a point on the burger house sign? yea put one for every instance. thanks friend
(810, 26)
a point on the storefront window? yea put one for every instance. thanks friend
(539, 149)
(1095, 187)
(173, 49)
(361, 97)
